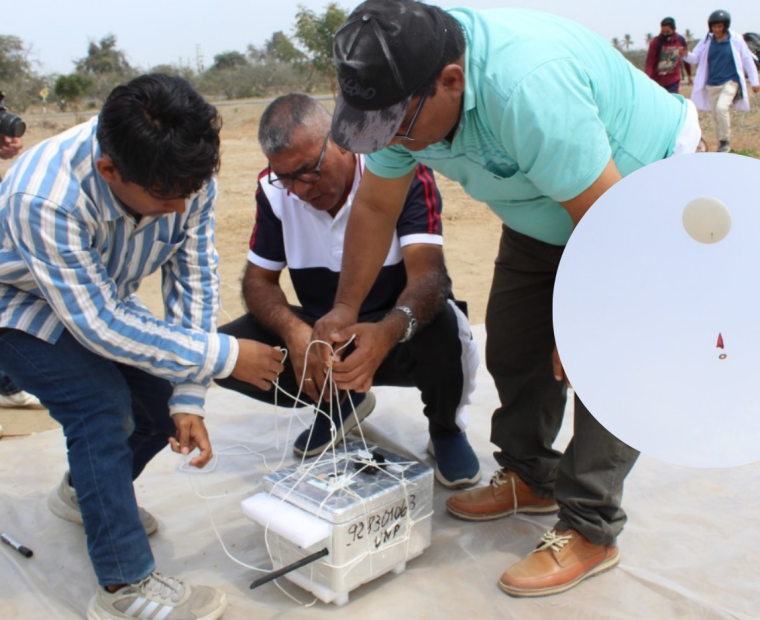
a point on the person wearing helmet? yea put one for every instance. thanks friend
(722, 59)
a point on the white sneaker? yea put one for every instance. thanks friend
(158, 597)
(63, 503)
(19, 400)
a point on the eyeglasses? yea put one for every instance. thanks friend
(407, 135)
(287, 181)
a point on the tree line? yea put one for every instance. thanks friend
(301, 62)
(638, 57)
(625, 43)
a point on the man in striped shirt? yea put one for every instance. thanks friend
(84, 217)
(411, 332)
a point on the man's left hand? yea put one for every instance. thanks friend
(191, 434)
(373, 343)
(756, 89)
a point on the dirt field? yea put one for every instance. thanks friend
(471, 231)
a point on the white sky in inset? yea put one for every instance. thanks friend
(638, 306)
(158, 32)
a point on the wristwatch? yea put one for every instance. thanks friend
(411, 327)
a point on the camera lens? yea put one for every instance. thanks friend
(11, 125)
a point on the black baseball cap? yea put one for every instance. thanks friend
(383, 52)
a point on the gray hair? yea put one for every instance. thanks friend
(284, 115)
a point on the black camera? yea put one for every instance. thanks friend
(10, 124)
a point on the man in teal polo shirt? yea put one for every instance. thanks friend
(537, 117)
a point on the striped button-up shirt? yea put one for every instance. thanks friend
(72, 257)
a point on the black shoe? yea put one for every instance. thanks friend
(326, 432)
(723, 146)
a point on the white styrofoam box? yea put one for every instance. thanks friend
(301, 528)
(371, 517)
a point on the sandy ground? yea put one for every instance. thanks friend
(471, 233)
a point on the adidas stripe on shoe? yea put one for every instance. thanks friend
(158, 597)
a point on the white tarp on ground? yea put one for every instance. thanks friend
(690, 550)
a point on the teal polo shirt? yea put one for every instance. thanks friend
(547, 102)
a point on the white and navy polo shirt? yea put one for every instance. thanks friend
(291, 233)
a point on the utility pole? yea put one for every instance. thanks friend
(199, 58)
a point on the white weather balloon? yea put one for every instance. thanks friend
(707, 219)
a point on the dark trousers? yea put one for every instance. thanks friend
(438, 361)
(587, 480)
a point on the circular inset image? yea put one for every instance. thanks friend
(657, 333)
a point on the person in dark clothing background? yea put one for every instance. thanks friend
(664, 64)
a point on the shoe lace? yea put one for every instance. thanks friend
(554, 540)
(163, 587)
(499, 479)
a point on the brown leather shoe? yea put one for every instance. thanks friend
(505, 495)
(560, 562)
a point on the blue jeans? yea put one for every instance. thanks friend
(116, 419)
(7, 387)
